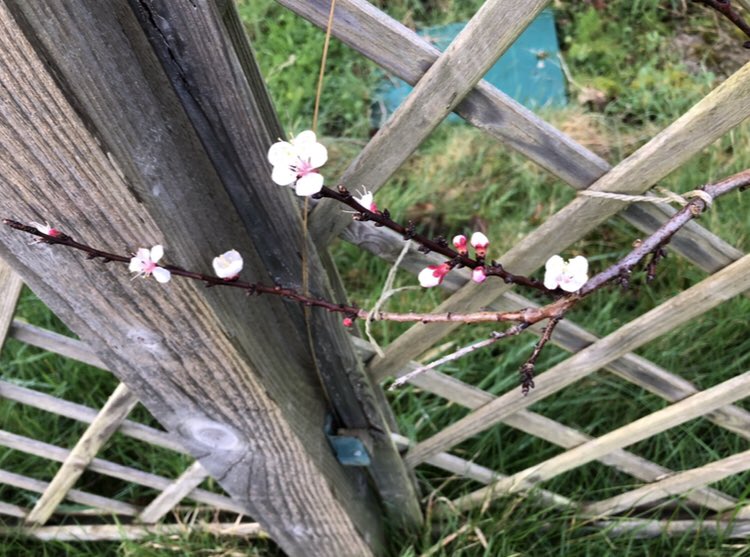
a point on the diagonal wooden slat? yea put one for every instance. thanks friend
(86, 414)
(674, 485)
(114, 470)
(568, 437)
(54, 342)
(10, 290)
(119, 532)
(9, 509)
(682, 308)
(92, 120)
(466, 469)
(692, 407)
(487, 35)
(545, 428)
(96, 501)
(167, 499)
(720, 111)
(221, 96)
(402, 52)
(114, 411)
(643, 528)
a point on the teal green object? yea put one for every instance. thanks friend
(349, 450)
(529, 71)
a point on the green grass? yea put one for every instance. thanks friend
(460, 181)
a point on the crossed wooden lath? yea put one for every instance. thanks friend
(103, 423)
(452, 81)
(442, 82)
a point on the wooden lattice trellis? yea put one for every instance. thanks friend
(443, 83)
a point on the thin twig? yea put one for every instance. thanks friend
(460, 353)
(725, 8)
(529, 315)
(529, 367)
(455, 259)
(386, 293)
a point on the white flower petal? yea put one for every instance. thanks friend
(228, 264)
(427, 278)
(551, 280)
(162, 275)
(552, 271)
(554, 264)
(282, 153)
(136, 265)
(157, 252)
(309, 184)
(578, 266)
(303, 138)
(316, 154)
(365, 200)
(478, 239)
(283, 175)
(143, 254)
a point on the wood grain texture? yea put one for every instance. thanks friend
(718, 112)
(405, 54)
(486, 36)
(105, 504)
(10, 290)
(170, 497)
(114, 470)
(674, 485)
(678, 310)
(207, 59)
(107, 421)
(662, 420)
(106, 152)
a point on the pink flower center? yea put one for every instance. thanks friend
(304, 168)
(148, 267)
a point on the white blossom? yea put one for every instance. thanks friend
(228, 265)
(568, 275)
(295, 162)
(144, 263)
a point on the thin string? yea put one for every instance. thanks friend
(306, 212)
(387, 292)
(667, 197)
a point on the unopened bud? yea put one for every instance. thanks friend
(460, 243)
(480, 242)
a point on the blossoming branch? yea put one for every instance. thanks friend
(297, 162)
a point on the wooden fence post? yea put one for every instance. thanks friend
(103, 138)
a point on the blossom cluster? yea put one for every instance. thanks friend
(297, 162)
(433, 275)
(227, 266)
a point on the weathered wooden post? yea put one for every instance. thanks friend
(143, 122)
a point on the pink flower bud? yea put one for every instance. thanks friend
(347, 321)
(433, 275)
(478, 275)
(460, 243)
(479, 242)
(46, 229)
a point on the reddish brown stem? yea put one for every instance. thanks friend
(725, 8)
(383, 218)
